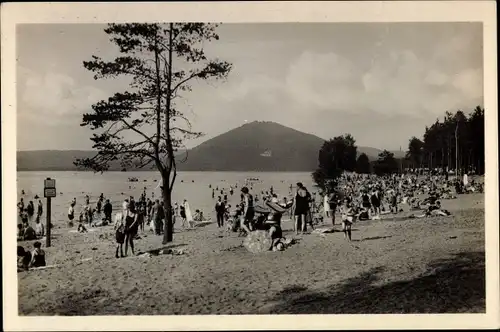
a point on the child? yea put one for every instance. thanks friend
(38, 256)
(348, 217)
(120, 236)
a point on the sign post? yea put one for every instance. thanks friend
(49, 191)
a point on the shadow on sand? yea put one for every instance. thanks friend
(455, 285)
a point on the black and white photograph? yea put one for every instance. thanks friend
(179, 167)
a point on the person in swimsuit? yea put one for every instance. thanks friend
(348, 217)
(302, 199)
(38, 256)
(131, 229)
(332, 205)
(71, 214)
(248, 210)
(20, 206)
(119, 228)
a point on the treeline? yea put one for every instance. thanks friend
(456, 143)
(458, 140)
(339, 154)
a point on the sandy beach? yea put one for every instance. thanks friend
(394, 265)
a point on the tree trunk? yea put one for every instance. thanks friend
(168, 225)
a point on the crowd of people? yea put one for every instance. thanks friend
(356, 197)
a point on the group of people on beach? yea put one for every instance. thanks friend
(356, 197)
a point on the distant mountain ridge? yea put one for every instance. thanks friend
(255, 146)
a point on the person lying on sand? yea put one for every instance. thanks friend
(100, 223)
(433, 210)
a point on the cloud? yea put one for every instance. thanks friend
(470, 83)
(396, 83)
(51, 96)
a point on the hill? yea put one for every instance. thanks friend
(256, 146)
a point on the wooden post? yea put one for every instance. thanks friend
(49, 212)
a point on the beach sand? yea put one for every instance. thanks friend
(395, 265)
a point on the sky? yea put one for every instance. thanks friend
(381, 82)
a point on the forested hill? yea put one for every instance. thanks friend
(256, 146)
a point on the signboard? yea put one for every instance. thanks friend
(49, 192)
(49, 183)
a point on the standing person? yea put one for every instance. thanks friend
(220, 209)
(30, 210)
(182, 212)
(189, 215)
(149, 206)
(99, 205)
(326, 205)
(248, 209)
(125, 205)
(71, 214)
(20, 206)
(332, 204)
(132, 204)
(108, 209)
(158, 215)
(348, 217)
(302, 199)
(39, 212)
(375, 202)
(366, 202)
(119, 228)
(131, 229)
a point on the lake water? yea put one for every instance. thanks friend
(193, 186)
